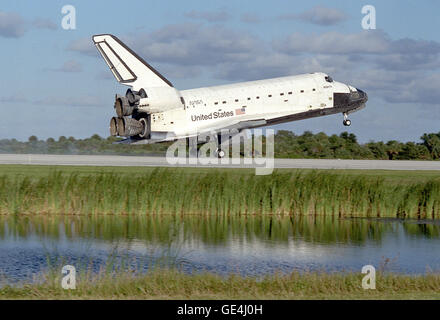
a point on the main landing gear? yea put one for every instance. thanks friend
(194, 150)
(219, 152)
(346, 122)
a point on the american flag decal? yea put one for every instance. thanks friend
(240, 111)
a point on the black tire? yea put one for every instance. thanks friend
(220, 153)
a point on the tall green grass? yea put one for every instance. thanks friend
(171, 284)
(217, 192)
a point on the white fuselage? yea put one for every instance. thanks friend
(226, 105)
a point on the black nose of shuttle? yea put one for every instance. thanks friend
(350, 100)
(363, 97)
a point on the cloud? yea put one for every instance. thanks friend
(180, 72)
(84, 46)
(185, 44)
(69, 66)
(14, 99)
(408, 61)
(396, 70)
(57, 101)
(12, 25)
(105, 75)
(41, 23)
(192, 44)
(209, 16)
(366, 47)
(77, 101)
(318, 15)
(250, 18)
(418, 90)
(275, 64)
(364, 42)
(186, 49)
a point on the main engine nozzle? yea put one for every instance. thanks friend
(128, 127)
(114, 126)
(126, 105)
(123, 107)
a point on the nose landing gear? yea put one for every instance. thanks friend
(346, 122)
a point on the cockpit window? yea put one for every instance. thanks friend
(328, 79)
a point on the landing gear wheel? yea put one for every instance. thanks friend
(220, 153)
(347, 122)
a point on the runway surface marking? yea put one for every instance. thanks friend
(103, 160)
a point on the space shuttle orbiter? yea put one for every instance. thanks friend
(152, 110)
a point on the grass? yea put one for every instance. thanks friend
(213, 203)
(216, 192)
(171, 284)
(35, 171)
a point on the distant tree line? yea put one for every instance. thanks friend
(93, 145)
(346, 146)
(287, 145)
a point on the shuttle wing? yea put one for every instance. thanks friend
(127, 67)
(170, 136)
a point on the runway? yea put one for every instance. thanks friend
(103, 160)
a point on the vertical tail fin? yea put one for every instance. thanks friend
(127, 67)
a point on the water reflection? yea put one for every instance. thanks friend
(246, 244)
(210, 230)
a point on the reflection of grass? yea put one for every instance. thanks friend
(171, 284)
(423, 229)
(209, 229)
(216, 192)
(213, 230)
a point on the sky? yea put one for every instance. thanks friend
(53, 82)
